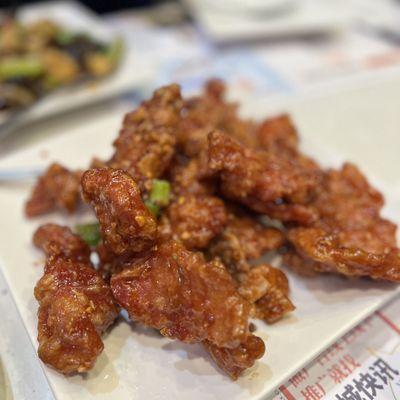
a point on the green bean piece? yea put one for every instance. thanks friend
(20, 67)
(115, 50)
(65, 37)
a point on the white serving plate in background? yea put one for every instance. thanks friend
(230, 21)
(139, 364)
(132, 73)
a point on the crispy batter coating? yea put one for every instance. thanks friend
(244, 239)
(146, 143)
(350, 237)
(196, 219)
(109, 264)
(235, 361)
(216, 163)
(301, 265)
(187, 176)
(126, 225)
(320, 251)
(267, 288)
(207, 112)
(278, 135)
(291, 214)
(179, 293)
(57, 240)
(75, 308)
(194, 215)
(57, 188)
(260, 180)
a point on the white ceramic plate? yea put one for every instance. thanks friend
(132, 73)
(299, 18)
(4, 384)
(250, 6)
(139, 364)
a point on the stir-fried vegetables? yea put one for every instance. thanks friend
(20, 67)
(37, 58)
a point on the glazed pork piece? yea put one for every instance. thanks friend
(186, 298)
(267, 289)
(235, 361)
(194, 220)
(108, 263)
(202, 114)
(75, 304)
(185, 258)
(176, 291)
(350, 237)
(278, 135)
(126, 225)
(146, 142)
(188, 176)
(56, 240)
(261, 180)
(244, 239)
(194, 216)
(56, 189)
(144, 148)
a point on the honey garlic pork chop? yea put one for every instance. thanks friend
(195, 215)
(144, 148)
(56, 189)
(146, 142)
(194, 220)
(186, 298)
(209, 111)
(267, 289)
(75, 304)
(56, 240)
(350, 237)
(235, 361)
(126, 225)
(168, 269)
(278, 135)
(261, 180)
(214, 162)
(244, 239)
(188, 176)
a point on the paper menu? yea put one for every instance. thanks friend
(363, 365)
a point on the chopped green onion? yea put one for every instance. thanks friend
(90, 233)
(20, 67)
(65, 37)
(152, 207)
(160, 192)
(115, 50)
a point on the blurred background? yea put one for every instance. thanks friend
(266, 46)
(101, 6)
(282, 44)
(263, 48)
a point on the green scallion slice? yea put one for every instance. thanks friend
(160, 192)
(90, 233)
